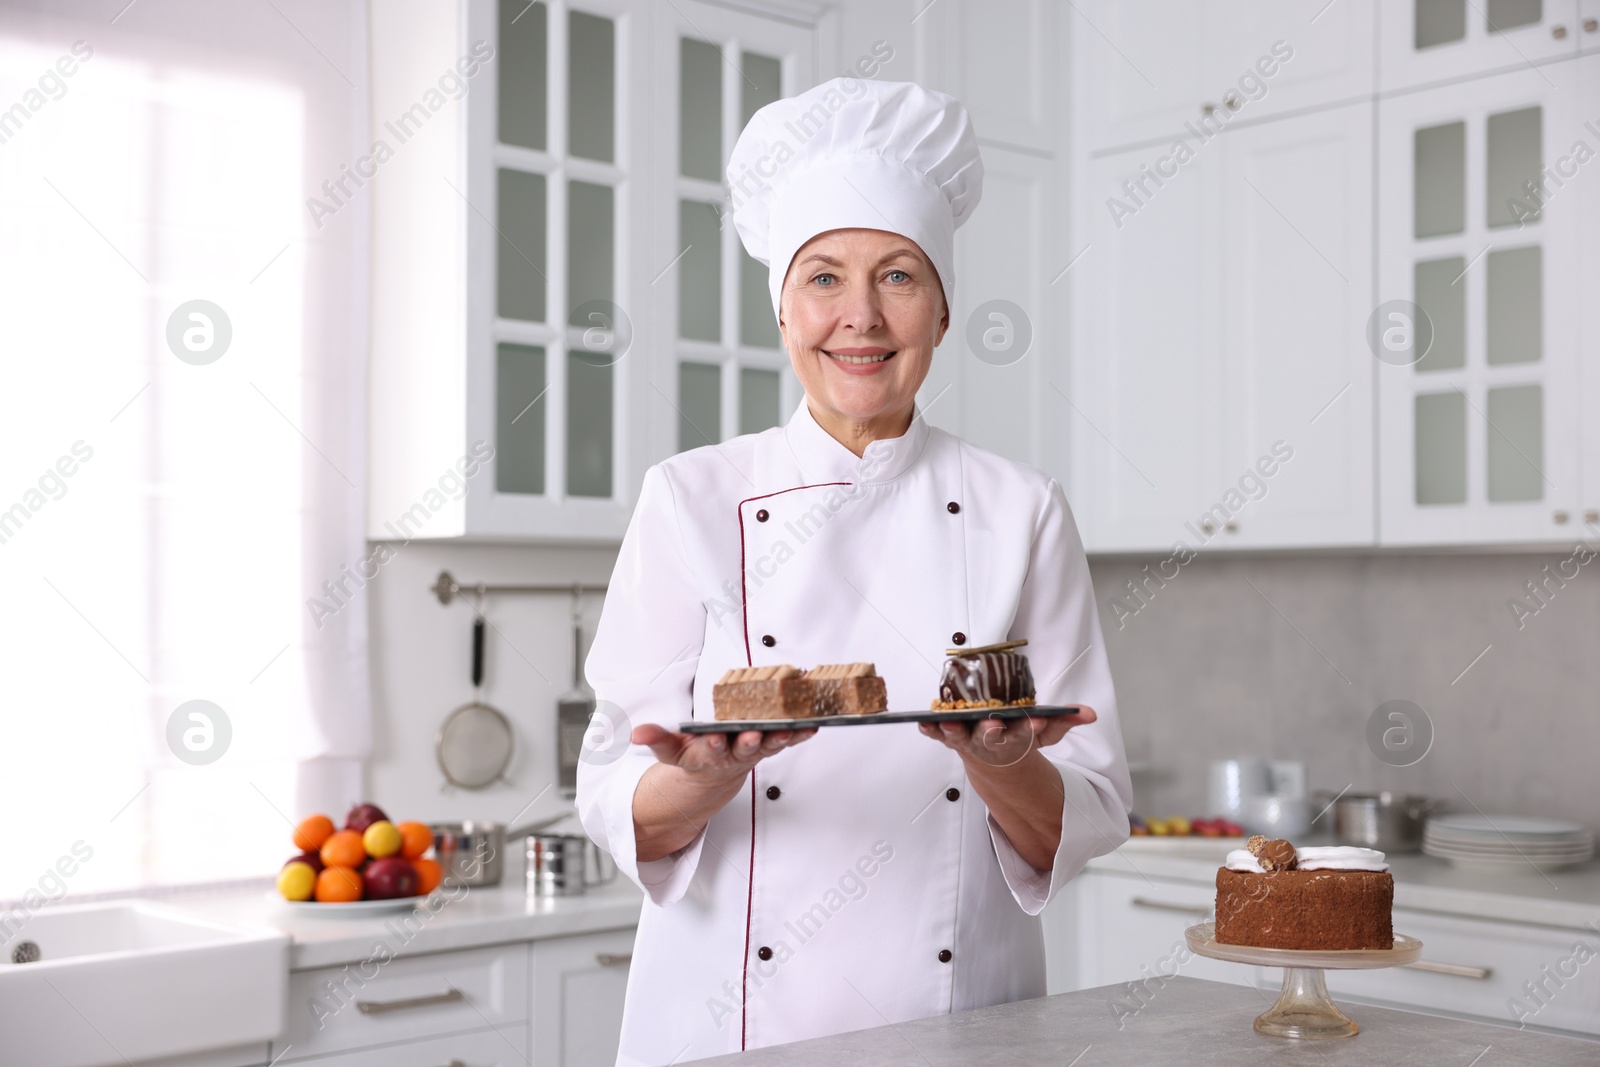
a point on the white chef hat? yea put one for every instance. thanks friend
(855, 153)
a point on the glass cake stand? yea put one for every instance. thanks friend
(1304, 1009)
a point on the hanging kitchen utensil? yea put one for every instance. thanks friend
(475, 742)
(574, 710)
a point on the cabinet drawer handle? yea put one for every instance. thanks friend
(1187, 909)
(1460, 970)
(379, 1007)
(613, 959)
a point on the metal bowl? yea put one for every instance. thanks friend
(1388, 822)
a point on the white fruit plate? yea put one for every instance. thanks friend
(353, 909)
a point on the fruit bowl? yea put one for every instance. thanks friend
(370, 865)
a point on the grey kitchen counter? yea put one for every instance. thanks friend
(1186, 1021)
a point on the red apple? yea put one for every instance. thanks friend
(389, 878)
(312, 857)
(362, 816)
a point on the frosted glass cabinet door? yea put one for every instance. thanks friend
(1479, 426)
(1423, 41)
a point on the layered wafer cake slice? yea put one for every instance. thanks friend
(771, 692)
(848, 689)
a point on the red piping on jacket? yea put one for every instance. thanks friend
(750, 893)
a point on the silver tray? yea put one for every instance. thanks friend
(1014, 711)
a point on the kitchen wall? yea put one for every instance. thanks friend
(1281, 656)
(421, 655)
(1288, 656)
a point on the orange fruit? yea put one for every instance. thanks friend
(338, 885)
(415, 839)
(429, 875)
(343, 848)
(312, 832)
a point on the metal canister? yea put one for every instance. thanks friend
(557, 864)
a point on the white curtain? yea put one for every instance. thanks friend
(166, 511)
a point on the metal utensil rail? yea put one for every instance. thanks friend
(446, 588)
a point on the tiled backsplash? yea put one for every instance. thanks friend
(1288, 656)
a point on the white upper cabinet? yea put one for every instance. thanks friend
(1221, 386)
(1588, 211)
(1425, 41)
(1297, 277)
(991, 377)
(1480, 402)
(1147, 393)
(1149, 71)
(722, 370)
(550, 265)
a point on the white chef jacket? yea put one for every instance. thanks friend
(857, 880)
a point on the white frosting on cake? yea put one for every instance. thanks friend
(1339, 858)
(1327, 858)
(1242, 859)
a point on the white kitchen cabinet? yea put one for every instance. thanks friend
(1482, 969)
(1296, 272)
(1153, 68)
(1114, 929)
(991, 379)
(1588, 214)
(1146, 390)
(374, 1003)
(504, 245)
(723, 370)
(1427, 41)
(1479, 440)
(494, 1047)
(578, 985)
(1221, 383)
(546, 264)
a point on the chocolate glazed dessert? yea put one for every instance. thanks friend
(991, 676)
(1272, 895)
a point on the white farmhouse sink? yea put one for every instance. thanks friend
(133, 981)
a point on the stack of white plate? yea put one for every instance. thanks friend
(1508, 842)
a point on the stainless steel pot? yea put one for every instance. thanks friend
(1389, 822)
(559, 865)
(473, 853)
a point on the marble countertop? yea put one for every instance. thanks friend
(1187, 1021)
(1568, 898)
(460, 918)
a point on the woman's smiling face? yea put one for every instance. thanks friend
(861, 313)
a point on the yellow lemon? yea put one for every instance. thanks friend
(297, 881)
(382, 839)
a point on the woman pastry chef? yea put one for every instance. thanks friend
(865, 876)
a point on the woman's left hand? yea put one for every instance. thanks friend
(1003, 742)
(1021, 789)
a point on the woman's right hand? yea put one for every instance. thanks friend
(715, 757)
(694, 778)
